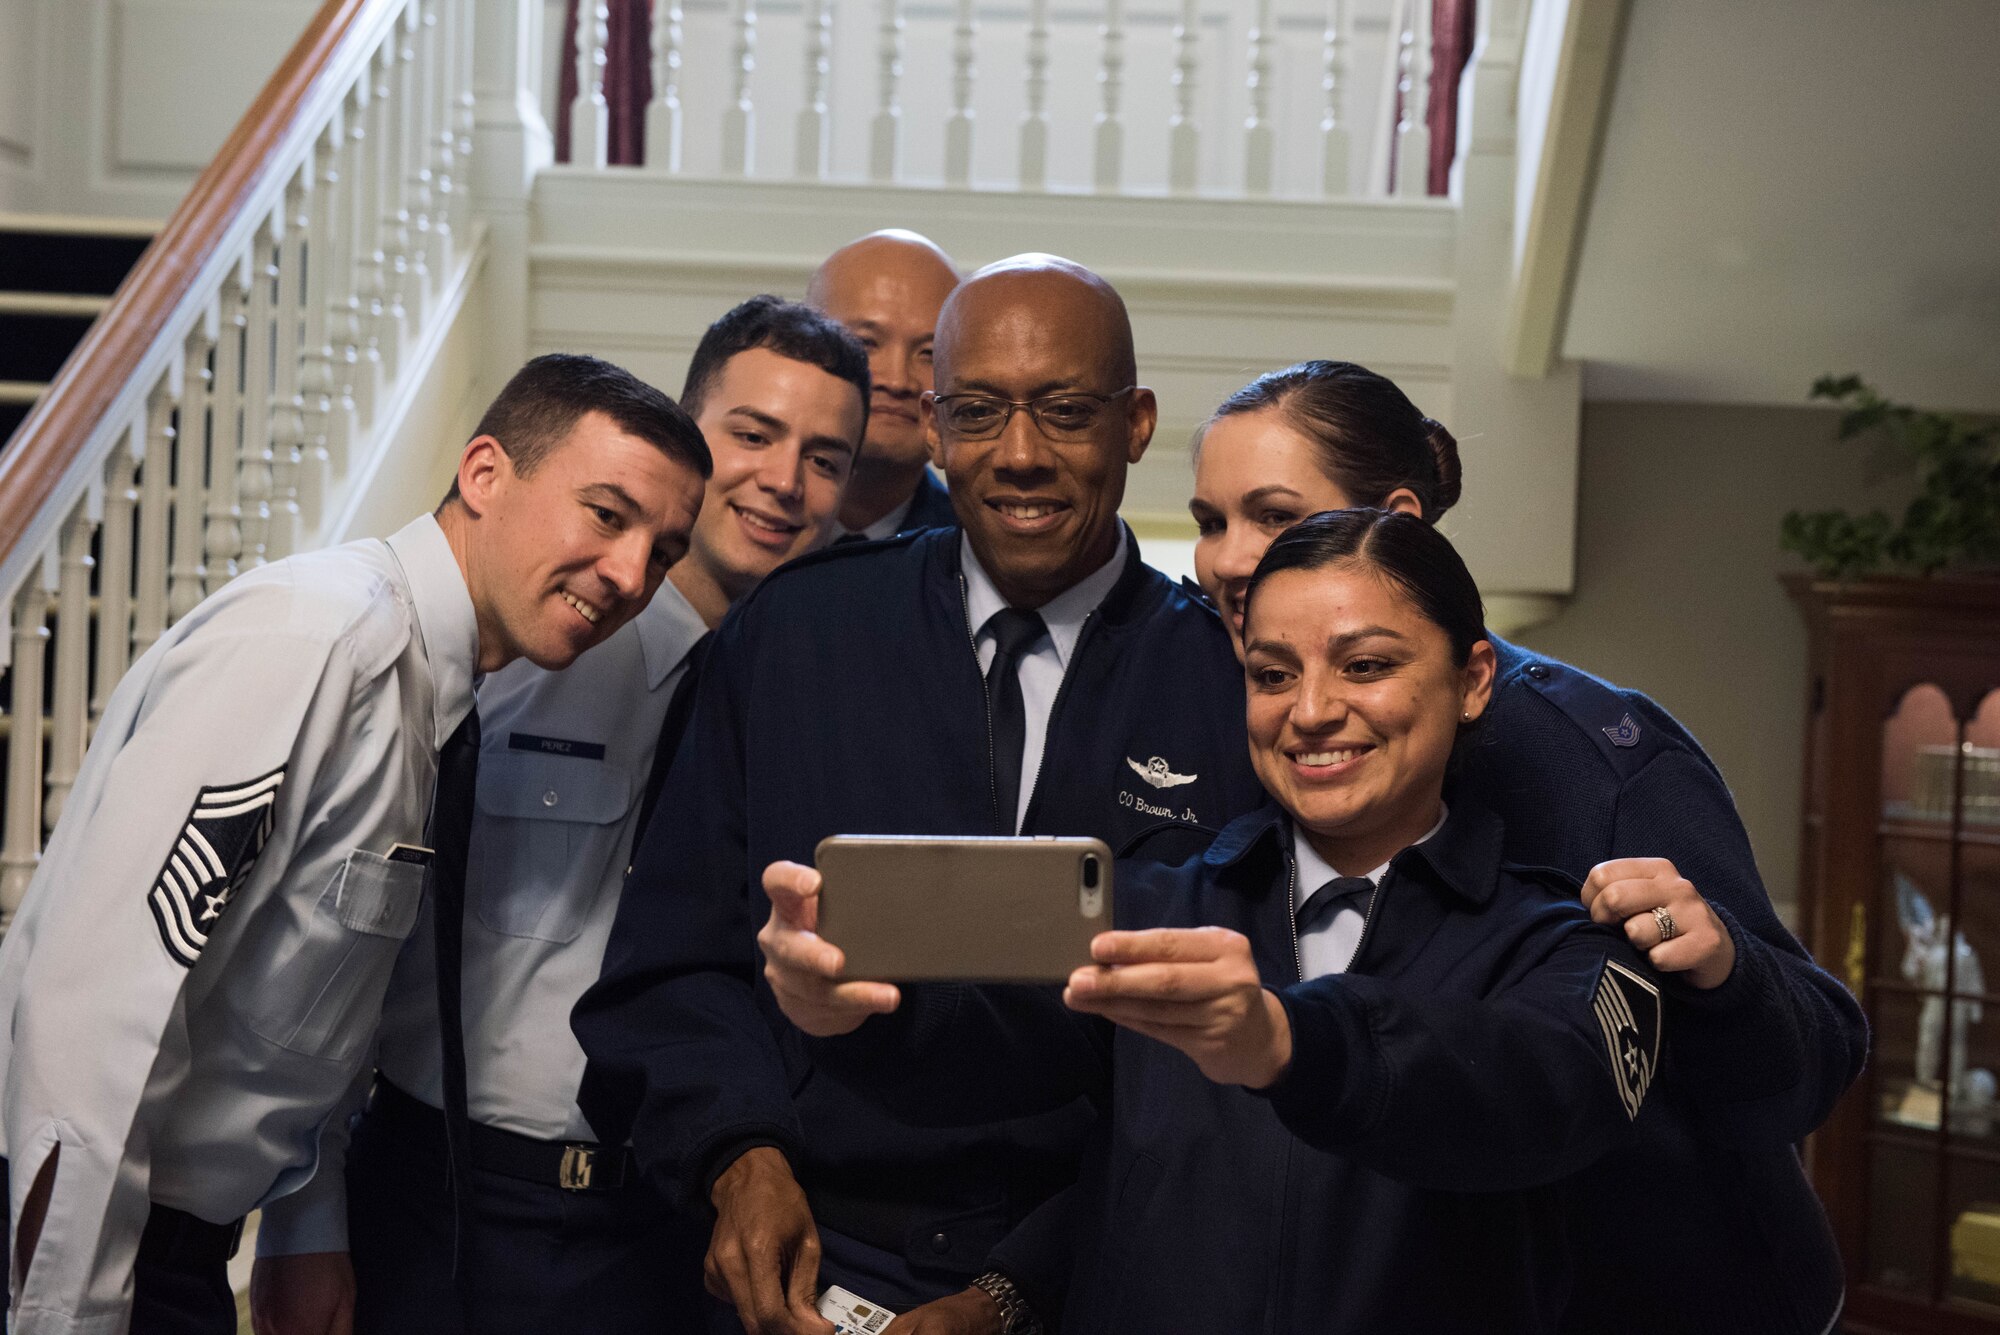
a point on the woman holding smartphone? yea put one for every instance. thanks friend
(1403, 1047)
(1603, 784)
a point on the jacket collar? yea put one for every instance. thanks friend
(446, 621)
(1464, 856)
(1135, 595)
(668, 627)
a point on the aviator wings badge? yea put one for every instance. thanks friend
(1155, 772)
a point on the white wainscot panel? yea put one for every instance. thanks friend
(181, 73)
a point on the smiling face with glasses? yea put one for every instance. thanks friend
(1035, 421)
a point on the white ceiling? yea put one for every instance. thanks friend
(1793, 187)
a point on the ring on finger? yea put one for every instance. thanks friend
(1665, 921)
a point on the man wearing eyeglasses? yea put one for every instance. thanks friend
(1025, 673)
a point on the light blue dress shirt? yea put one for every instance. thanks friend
(1330, 945)
(1043, 665)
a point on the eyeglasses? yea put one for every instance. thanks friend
(1060, 417)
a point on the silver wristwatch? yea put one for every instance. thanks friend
(1016, 1317)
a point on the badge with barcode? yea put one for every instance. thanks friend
(852, 1316)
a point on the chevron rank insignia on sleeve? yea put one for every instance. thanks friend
(211, 858)
(1627, 1006)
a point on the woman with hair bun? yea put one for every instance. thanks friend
(1705, 1221)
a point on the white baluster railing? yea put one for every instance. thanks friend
(1183, 132)
(1189, 97)
(886, 138)
(1413, 134)
(815, 125)
(590, 113)
(210, 418)
(1109, 157)
(1035, 123)
(1333, 85)
(958, 130)
(1260, 144)
(739, 120)
(663, 113)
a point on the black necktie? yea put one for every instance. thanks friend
(450, 835)
(679, 710)
(1341, 892)
(846, 538)
(1013, 632)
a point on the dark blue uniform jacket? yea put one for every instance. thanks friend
(844, 696)
(930, 507)
(1409, 1173)
(1581, 772)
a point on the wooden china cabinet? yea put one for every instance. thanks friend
(1900, 886)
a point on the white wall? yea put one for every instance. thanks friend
(113, 107)
(1677, 586)
(1795, 187)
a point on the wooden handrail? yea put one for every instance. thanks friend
(116, 347)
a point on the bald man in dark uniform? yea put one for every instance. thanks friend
(1044, 666)
(888, 289)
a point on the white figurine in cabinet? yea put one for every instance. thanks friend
(1925, 963)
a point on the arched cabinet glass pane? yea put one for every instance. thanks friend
(1912, 964)
(1972, 1192)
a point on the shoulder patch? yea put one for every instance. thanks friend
(1625, 733)
(1627, 1006)
(1599, 710)
(214, 852)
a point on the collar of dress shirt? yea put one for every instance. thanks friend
(668, 627)
(888, 526)
(445, 619)
(1315, 871)
(1062, 614)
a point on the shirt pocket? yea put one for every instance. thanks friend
(324, 996)
(547, 831)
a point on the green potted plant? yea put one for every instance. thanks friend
(1954, 521)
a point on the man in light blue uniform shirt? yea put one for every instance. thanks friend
(560, 1232)
(191, 984)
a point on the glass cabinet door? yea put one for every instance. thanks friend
(1933, 1152)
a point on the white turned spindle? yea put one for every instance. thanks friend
(663, 113)
(149, 610)
(69, 702)
(590, 114)
(329, 408)
(465, 115)
(1183, 135)
(393, 324)
(1035, 122)
(287, 407)
(445, 184)
(358, 322)
(958, 129)
(1110, 155)
(423, 113)
(1259, 141)
(1413, 133)
(739, 118)
(114, 570)
(224, 522)
(411, 185)
(886, 138)
(812, 159)
(253, 476)
(1333, 123)
(185, 576)
(22, 847)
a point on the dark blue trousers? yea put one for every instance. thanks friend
(538, 1258)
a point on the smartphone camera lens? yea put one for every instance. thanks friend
(1090, 871)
